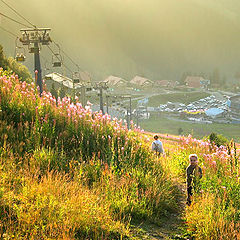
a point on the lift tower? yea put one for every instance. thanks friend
(101, 86)
(34, 38)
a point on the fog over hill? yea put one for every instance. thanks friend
(157, 39)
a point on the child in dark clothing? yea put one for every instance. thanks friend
(193, 172)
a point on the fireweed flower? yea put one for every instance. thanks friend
(214, 164)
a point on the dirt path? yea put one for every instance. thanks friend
(169, 228)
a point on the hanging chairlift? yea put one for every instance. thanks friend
(76, 76)
(57, 58)
(48, 77)
(88, 89)
(19, 55)
(47, 69)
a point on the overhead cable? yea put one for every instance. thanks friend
(14, 20)
(18, 13)
(67, 56)
(8, 31)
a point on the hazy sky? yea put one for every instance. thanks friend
(159, 39)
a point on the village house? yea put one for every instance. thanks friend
(115, 82)
(57, 81)
(196, 82)
(141, 82)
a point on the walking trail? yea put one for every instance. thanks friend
(170, 227)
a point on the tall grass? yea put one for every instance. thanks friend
(72, 173)
(215, 212)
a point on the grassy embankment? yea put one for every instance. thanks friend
(186, 98)
(198, 130)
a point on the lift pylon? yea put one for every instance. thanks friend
(34, 38)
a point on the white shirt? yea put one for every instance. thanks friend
(157, 146)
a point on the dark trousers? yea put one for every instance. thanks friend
(189, 194)
(189, 191)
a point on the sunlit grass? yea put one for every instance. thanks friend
(165, 125)
(68, 173)
(71, 173)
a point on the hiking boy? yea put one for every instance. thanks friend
(157, 146)
(194, 173)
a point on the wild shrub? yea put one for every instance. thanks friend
(218, 139)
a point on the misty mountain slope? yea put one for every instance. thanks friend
(157, 39)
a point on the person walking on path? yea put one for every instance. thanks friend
(194, 173)
(157, 146)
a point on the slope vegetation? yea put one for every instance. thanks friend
(69, 173)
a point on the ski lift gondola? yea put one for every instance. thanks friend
(19, 52)
(76, 76)
(57, 58)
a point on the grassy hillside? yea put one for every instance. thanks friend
(185, 98)
(12, 65)
(198, 130)
(215, 211)
(69, 173)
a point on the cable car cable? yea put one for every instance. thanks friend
(14, 20)
(8, 31)
(67, 56)
(41, 56)
(18, 14)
